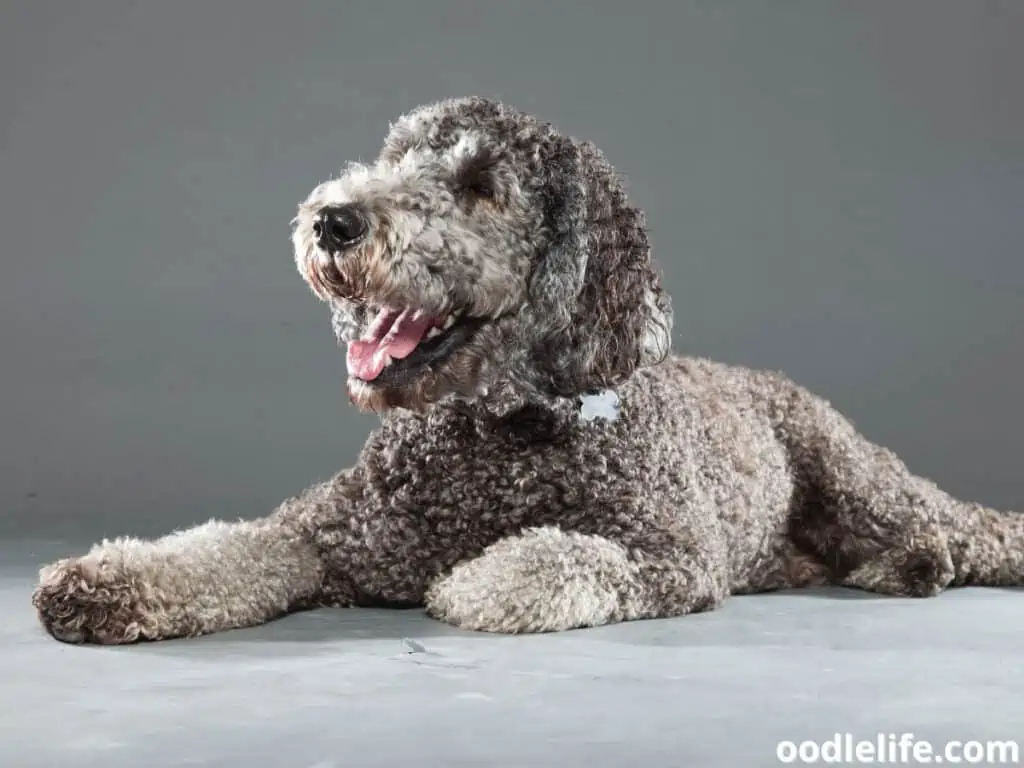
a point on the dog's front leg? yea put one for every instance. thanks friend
(209, 578)
(547, 579)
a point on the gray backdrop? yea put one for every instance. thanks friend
(834, 189)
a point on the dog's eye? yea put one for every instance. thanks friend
(477, 177)
(482, 187)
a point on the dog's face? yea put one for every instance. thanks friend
(461, 258)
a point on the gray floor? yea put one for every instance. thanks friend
(393, 688)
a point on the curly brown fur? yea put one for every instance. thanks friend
(502, 492)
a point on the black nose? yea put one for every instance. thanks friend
(339, 227)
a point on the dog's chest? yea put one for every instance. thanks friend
(479, 484)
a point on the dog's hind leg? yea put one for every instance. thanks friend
(893, 531)
(209, 578)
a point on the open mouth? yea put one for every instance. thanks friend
(400, 343)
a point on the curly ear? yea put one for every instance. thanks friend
(601, 299)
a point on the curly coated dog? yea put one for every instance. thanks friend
(543, 463)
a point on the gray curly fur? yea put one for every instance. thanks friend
(502, 492)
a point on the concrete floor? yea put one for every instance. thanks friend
(393, 688)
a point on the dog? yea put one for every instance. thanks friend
(545, 462)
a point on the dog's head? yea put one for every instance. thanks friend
(483, 248)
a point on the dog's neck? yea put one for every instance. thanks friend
(522, 415)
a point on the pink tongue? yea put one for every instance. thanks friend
(392, 335)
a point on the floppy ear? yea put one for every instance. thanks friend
(595, 289)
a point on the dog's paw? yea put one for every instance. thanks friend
(924, 570)
(543, 581)
(92, 599)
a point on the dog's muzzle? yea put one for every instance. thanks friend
(339, 227)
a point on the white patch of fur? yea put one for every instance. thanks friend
(466, 147)
(603, 405)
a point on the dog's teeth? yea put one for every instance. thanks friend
(448, 322)
(434, 331)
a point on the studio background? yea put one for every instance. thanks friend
(834, 189)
